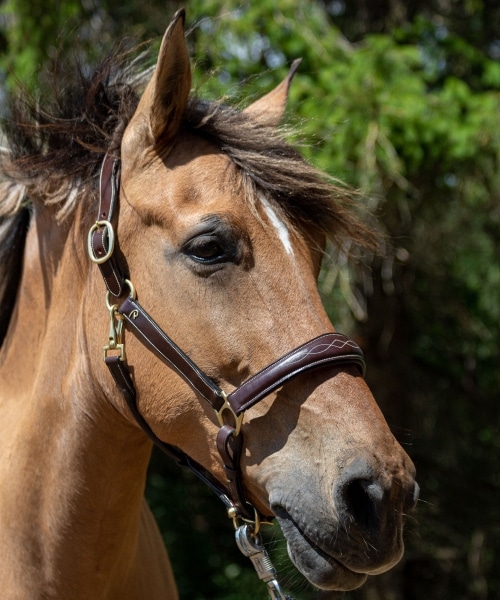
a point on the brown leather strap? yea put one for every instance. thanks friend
(158, 341)
(328, 349)
(230, 447)
(113, 275)
(108, 188)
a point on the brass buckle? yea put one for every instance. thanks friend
(111, 241)
(238, 520)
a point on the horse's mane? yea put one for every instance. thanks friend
(55, 147)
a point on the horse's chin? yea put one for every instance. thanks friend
(324, 571)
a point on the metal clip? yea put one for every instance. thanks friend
(275, 592)
(115, 343)
(250, 546)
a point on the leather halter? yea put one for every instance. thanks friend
(323, 351)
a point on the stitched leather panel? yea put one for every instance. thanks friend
(108, 188)
(323, 351)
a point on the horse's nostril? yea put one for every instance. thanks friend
(363, 499)
(372, 502)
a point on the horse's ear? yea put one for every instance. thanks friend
(269, 109)
(165, 97)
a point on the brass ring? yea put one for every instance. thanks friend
(132, 295)
(131, 287)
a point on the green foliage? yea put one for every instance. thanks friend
(32, 32)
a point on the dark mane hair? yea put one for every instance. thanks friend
(305, 195)
(56, 142)
(55, 148)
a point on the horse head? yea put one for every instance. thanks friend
(223, 227)
(210, 232)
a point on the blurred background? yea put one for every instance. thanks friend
(401, 100)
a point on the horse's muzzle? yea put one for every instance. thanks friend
(363, 535)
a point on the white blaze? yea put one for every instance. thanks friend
(278, 224)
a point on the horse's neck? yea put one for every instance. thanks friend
(72, 469)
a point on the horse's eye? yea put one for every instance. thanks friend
(207, 250)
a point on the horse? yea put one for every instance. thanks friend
(206, 215)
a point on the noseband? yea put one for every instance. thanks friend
(329, 349)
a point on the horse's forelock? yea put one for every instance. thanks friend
(303, 194)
